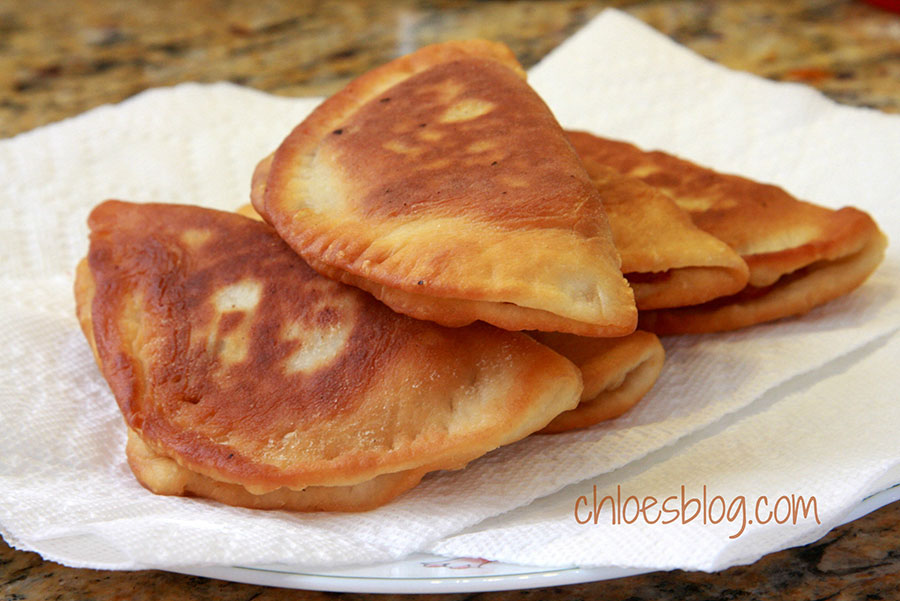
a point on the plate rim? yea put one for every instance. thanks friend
(534, 577)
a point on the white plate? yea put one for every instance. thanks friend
(433, 574)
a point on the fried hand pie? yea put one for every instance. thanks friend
(668, 261)
(246, 377)
(442, 184)
(800, 255)
(617, 373)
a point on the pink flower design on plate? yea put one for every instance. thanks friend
(458, 563)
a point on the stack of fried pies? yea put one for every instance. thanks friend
(431, 268)
(798, 255)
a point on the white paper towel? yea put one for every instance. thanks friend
(818, 436)
(66, 492)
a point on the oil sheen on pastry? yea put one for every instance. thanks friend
(247, 377)
(617, 373)
(668, 260)
(800, 255)
(442, 184)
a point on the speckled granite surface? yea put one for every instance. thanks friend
(856, 561)
(59, 58)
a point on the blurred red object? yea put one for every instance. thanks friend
(892, 5)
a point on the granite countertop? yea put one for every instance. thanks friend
(60, 58)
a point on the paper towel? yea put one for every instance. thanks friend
(819, 437)
(66, 492)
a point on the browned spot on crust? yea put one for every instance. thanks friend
(230, 321)
(661, 179)
(462, 165)
(132, 254)
(241, 364)
(378, 205)
(668, 260)
(751, 217)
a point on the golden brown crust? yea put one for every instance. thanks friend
(680, 286)
(456, 313)
(799, 255)
(773, 231)
(229, 355)
(668, 261)
(258, 188)
(248, 211)
(84, 295)
(444, 176)
(794, 294)
(451, 312)
(842, 233)
(617, 373)
(164, 476)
